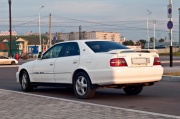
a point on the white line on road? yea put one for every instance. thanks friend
(105, 106)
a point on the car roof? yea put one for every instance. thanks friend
(83, 40)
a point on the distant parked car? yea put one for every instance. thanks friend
(7, 60)
(86, 65)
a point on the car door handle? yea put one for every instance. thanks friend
(75, 62)
(51, 64)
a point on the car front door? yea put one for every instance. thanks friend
(43, 69)
(67, 62)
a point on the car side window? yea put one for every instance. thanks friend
(53, 52)
(70, 49)
(5, 58)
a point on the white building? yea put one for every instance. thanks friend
(7, 33)
(89, 35)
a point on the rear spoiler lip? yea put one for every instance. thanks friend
(119, 51)
(147, 50)
(134, 50)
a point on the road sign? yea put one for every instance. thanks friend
(169, 10)
(170, 24)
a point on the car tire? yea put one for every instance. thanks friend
(25, 82)
(82, 86)
(133, 90)
(13, 63)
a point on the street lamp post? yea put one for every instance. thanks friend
(40, 49)
(149, 12)
(154, 24)
(10, 28)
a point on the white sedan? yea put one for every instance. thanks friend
(86, 65)
(7, 60)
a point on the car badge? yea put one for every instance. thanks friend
(139, 54)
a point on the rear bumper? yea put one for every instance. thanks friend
(125, 75)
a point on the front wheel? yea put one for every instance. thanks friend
(133, 90)
(82, 86)
(13, 63)
(25, 82)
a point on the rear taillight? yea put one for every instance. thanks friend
(118, 62)
(157, 61)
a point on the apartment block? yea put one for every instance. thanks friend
(89, 35)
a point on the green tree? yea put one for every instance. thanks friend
(152, 39)
(142, 42)
(129, 42)
(161, 40)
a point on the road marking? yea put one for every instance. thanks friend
(105, 106)
(169, 61)
(9, 65)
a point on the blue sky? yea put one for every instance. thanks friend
(128, 17)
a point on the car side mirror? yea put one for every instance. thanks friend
(40, 55)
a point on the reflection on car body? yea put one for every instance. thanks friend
(86, 65)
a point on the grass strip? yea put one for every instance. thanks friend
(172, 73)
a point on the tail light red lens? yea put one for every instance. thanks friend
(118, 62)
(157, 61)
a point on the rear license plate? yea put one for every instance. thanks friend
(140, 60)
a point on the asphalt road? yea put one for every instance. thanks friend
(163, 97)
(165, 61)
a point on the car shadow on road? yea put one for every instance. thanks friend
(68, 93)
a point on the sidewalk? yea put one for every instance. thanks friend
(17, 105)
(171, 78)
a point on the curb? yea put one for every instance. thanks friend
(171, 78)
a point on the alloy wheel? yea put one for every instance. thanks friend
(24, 81)
(81, 85)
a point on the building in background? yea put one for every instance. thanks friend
(7, 33)
(87, 35)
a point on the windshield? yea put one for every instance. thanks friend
(104, 46)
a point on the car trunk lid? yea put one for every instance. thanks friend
(136, 58)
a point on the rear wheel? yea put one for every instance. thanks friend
(133, 90)
(82, 86)
(13, 63)
(25, 82)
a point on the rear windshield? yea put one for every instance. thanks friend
(104, 46)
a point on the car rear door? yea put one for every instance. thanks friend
(67, 62)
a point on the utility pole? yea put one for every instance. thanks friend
(10, 29)
(80, 33)
(179, 29)
(50, 30)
